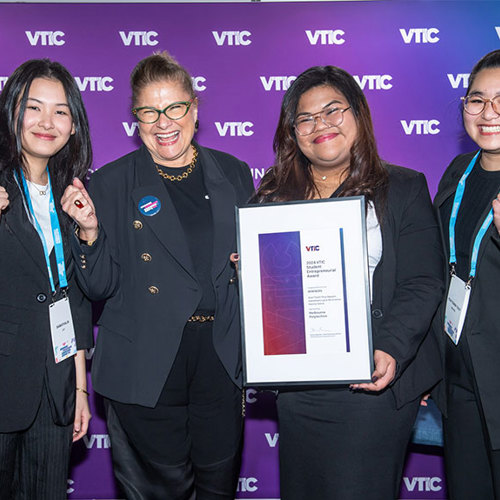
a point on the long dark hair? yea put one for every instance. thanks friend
(74, 159)
(291, 178)
(489, 61)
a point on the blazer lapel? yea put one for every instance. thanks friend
(18, 223)
(489, 232)
(165, 224)
(450, 188)
(222, 203)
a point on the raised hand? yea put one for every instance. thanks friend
(77, 203)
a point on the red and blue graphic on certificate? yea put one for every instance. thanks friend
(302, 289)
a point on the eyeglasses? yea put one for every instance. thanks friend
(330, 116)
(174, 111)
(474, 105)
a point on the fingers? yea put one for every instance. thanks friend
(82, 417)
(77, 203)
(423, 401)
(4, 198)
(383, 375)
(235, 258)
(78, 183)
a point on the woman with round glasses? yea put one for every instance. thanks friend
(468, 205)
(156, 230)
(341, 442)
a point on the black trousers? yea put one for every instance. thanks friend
(34, 462)
(336, 444)
(188, 446)
(472, 467)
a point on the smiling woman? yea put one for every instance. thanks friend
(44, 145)
(167, 115)
(468, 206)
(349, 443)
(47, 125)
(156, 232)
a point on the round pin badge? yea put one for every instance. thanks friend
(149, 205)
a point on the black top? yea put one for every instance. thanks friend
(480, 189)
(192, 205)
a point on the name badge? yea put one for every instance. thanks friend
(62, 330)
(456, 308)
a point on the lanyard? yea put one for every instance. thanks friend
(56, 233)
(453, 219)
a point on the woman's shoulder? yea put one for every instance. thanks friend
(459, 164)
(397, 172)
(455, 170)
(223, 158)
(116, 168)
(403, 178)
(234, 169)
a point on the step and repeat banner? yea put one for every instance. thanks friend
(412, 59)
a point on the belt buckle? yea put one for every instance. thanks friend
(200, 318)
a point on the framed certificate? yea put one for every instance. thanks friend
(304, 293)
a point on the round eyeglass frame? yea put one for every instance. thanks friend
(320, 114)
(159, 112)
(495, 101)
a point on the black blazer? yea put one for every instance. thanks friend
(482, 326)
(140, 328)
(26, 357)
(408, 284)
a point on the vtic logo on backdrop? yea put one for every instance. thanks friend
(278, 82)
(235, 129)
(423, 483)
(130, 128)
(139, 38)
(251, 396)
(199, 83)
(326, 37)
(100, 441)
(45, 38)
(459, 77)
(3, 81)
(420, 127)
(374, 82)
(272, 439)
(419, 35)
(94, 83)
(232, 37)
(247, 484)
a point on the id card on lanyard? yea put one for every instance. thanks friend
(61, 322)
(459, 291)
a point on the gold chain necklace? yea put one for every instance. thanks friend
(184, 174)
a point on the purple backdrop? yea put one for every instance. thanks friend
(411, 58)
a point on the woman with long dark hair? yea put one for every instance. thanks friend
(45, 320)
(350, 442)
(468, 206)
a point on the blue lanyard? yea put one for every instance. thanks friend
(56, 234)
(453, 219)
